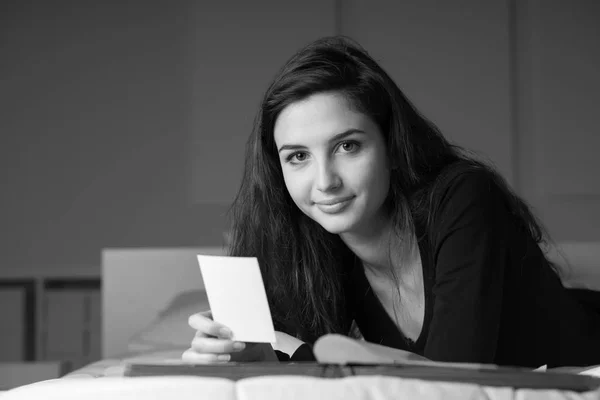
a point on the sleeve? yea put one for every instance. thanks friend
(470, 253)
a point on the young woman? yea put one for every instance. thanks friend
(362, 214)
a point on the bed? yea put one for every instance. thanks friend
(148, 295)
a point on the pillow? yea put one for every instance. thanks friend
(170, 329)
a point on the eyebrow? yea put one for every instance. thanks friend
(337, 137)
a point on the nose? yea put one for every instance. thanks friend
(327, 177)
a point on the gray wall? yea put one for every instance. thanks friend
(123, 123)
(96, 108)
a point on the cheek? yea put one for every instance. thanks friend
(370, 173)
(375, 179)
(297, 187)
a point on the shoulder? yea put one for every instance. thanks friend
(467, 196)
(463, 194)
(472, 220)
(462, 186)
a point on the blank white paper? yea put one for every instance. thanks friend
(237, 298)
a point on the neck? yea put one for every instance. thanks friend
(374, 246)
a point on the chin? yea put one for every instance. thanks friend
(336, 227)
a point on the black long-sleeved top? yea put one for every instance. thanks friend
(490, 294)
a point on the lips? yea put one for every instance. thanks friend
(333, 201)
(334, 206)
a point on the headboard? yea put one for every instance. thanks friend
(139, 283)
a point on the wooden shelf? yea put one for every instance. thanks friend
(60, 317)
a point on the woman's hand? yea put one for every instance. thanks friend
(212, 344)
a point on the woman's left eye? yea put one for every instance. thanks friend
(349, 146)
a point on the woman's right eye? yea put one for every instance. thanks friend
(296, 157)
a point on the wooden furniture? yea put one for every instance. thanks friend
(50, 315)
(13, 374)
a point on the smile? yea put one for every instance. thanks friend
(334, 206)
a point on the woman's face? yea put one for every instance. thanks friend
(334, 163)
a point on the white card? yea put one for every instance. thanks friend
(237, 297)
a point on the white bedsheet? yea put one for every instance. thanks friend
(274, 387)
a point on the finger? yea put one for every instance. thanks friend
(215, 345)
(192, 357)
(206, 314)
(203, 324)
(202, 334)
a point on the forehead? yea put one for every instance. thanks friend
(317, 118)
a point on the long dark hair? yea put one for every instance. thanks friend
(304, 265)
